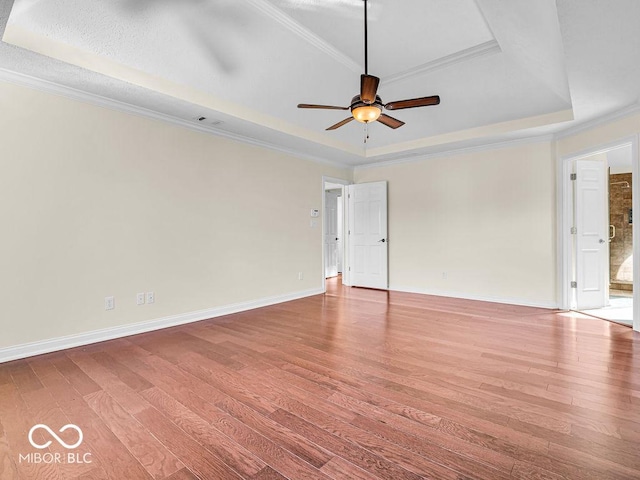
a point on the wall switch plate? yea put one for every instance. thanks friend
(109, 303)
(300, 276)
(151, 297)
(140, 299)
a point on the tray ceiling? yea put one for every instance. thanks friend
(500, 67)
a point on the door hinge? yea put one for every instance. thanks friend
(574, 284)
(574, 176)
(574, 230)
(349, 195)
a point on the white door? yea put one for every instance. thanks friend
(592, 233)
(330, 234)
(368, 235)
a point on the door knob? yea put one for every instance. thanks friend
(383, 240)
(601, 241)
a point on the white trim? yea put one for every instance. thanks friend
(273, 12)
(597, 122)
(459, 151)
(47, 86)
(565, 204)
(480, 298)
(345, 274)
(600, 148)
(484, 49)
(564, 238)
(481, 134)
(285, 20)
(105, 102)
(86, 338)
(635, 203)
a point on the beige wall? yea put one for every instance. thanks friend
(95, 202)
(486, 220)
(599, 136)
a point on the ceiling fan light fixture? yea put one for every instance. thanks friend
(366, 113)
(367, 107)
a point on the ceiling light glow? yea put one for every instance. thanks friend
(366, 113)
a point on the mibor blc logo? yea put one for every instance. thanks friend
(55, 457)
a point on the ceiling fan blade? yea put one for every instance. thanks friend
(368, 88)
(324, 107)
(390, 121)
(339, 124)
(412, 103)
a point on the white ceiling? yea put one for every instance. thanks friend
(503, 68)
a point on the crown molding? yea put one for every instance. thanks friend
(10, 76)
(494, 131)
(484, 49)
(460, 151)
(633, 109)
(267, 8)
(271, 11)
(105, 102)
(599, 121)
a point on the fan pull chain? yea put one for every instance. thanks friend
(366, 132)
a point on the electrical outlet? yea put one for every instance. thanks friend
(151, 297)
(444, 275)
(140, 299)
(300, 276)
(109, 303)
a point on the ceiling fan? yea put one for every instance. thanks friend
(367, 107)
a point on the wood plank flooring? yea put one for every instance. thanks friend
(354, 384)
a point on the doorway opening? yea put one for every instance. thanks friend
(334, 256)
(602, 239)
(333, 230)
(354, 240)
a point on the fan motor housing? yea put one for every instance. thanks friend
(357, 102)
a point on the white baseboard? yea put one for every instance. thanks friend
(70, 341)
(508, 301)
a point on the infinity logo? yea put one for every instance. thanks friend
(53, 434)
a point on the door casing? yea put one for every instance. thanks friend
(565, 217)
(345, 254)
(330, 220)
(367, 234)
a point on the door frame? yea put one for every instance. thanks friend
(368, 239)
(345, 255)
(565, 218)
(332, 195)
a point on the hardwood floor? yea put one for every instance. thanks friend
(355, 384)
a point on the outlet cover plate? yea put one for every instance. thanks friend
(109, 303)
